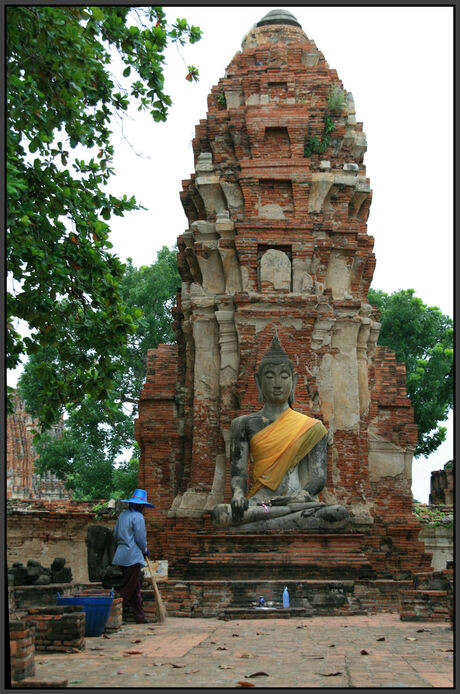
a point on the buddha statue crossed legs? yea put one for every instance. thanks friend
(288, 450)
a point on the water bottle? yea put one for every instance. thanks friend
(285, 597)
(261, 602)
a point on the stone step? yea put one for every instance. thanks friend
(264, 612)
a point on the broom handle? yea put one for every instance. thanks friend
(158, 600)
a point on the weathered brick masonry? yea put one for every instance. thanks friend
(42, 529)
(21, 480)
(22, 649)
(442, 487)
(278, 238)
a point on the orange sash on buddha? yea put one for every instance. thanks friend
(281, 445)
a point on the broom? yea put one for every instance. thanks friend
(160, 608)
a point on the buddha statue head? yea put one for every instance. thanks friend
(275, 377)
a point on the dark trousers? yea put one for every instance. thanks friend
(130, 591)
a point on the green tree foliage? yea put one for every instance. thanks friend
(422, 338)
(97, 433)
(61, 99)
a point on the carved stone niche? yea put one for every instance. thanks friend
(274, 270)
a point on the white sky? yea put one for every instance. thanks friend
(398, 64)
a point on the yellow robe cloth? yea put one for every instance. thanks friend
(281, 445)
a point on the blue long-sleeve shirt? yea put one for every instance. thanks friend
(131, 537)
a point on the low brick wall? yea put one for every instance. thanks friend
(115, 616)
(22, 649)
(59, 628)
(425, 606)
(431, 597)
(42, 530)
(24, 597)
(318, 597)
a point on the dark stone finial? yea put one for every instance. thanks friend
(278, 17)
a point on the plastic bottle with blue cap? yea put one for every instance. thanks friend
(285, 597)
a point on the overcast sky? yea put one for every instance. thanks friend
(397, 63)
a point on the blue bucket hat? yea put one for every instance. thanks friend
(139, 496)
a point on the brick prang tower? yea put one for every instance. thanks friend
(277, 240)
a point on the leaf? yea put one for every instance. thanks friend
(420, 630)
(411, 638)
(247, 655)
(176, 665)
(242, 683)
(221, 648)
(134, 652)
(127, 71)
(330, 674)
(97, 13)
(136, 641)
(381, 638)
(260, 673)
(226, 667)
(364, 652)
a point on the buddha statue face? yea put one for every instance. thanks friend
(276, 382)
(275, 378)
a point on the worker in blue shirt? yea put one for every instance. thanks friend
(131, 538)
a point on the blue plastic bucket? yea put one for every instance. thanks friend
(96, 608)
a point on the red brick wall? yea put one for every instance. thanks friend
(57, 628)
(22, 649)
(157, 433)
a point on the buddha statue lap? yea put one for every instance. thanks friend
(289, 454)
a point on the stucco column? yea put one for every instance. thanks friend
(361, 351)
(206, 434)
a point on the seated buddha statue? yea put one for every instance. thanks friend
(288, 450)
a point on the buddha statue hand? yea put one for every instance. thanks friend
(301, 497)
(239, 505)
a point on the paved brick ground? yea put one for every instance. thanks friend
(297, 652)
